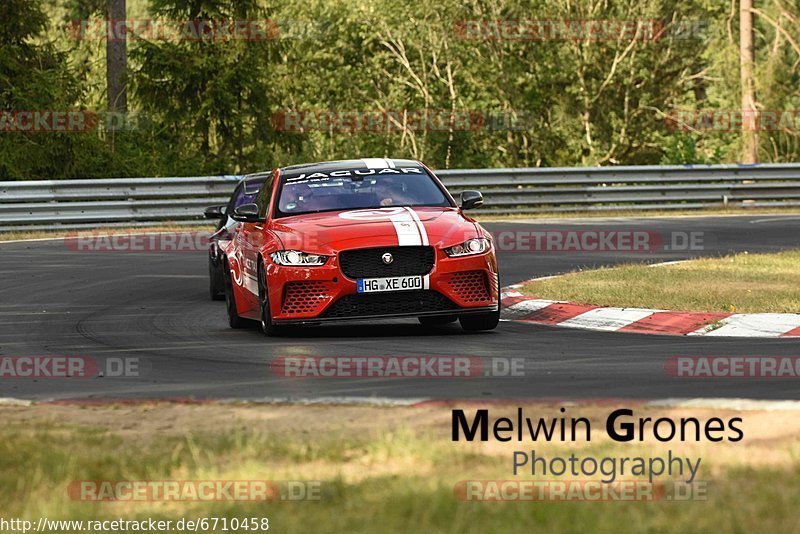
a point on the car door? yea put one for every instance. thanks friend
(251, 237)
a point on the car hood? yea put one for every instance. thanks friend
(332, 231)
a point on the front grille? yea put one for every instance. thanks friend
(367, 262)
(470, 286)
(394, 303)
(304, 297)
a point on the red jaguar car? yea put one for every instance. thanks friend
(359, 239)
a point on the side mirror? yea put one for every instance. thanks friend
(246, 213)
(214, 212)
(471, 199)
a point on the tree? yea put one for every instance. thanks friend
(116, 58)
(34, 77)
(210, 93)
(747, 59)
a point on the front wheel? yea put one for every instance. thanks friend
(480, 322)
(230, 301)
(267, 326)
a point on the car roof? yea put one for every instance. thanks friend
(348, 164)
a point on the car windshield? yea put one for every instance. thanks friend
(357, 189)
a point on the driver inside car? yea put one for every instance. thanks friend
(391, 194)
(298, 198)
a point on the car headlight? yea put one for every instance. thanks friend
(479, 245)
(295, 258)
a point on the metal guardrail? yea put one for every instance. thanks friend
(147, 201)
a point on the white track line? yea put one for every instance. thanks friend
(667, 263)
(774, 219)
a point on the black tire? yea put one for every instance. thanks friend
(267, 326)
(480, 322)
(436, 320)
(234, 321)
(215, 290)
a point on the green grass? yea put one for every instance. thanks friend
(389, 480)
(746, 283)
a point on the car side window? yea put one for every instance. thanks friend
(265, 196)
(241, 197)
(232, 203)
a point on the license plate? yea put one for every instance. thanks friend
(395, 283)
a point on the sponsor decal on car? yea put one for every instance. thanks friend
(353, 172)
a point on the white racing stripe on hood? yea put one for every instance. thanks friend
(420, 226)
(408, 234)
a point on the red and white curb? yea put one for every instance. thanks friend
(518, 307)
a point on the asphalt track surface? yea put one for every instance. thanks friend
(154, 306)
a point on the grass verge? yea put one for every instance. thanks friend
(742, 283)
(381, 469)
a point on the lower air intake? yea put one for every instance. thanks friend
(395, 303)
